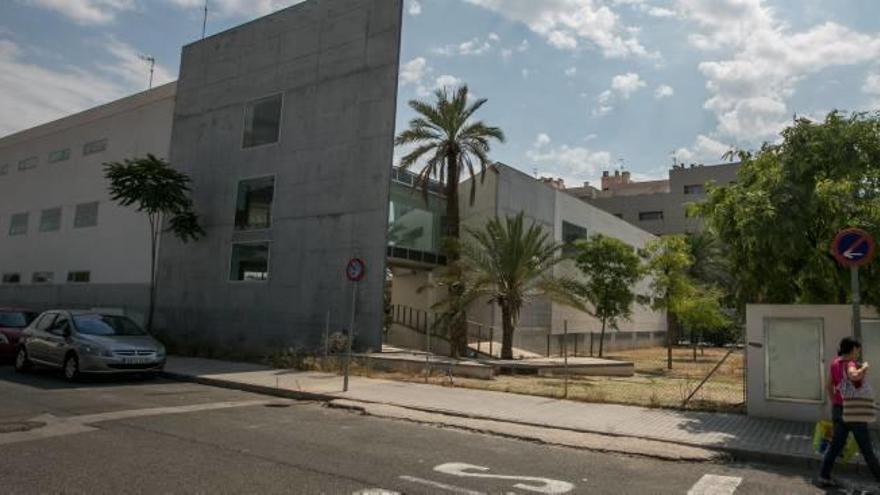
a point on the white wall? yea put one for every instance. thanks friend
(116, 251)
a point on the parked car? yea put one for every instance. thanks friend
(88, 342)
(12, 322)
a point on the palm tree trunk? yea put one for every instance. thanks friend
(507, 332)
(602, 337)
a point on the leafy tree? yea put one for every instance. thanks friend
(612, 268)
(453, 143)
(151, 186)
(789, 201)
(511, 263)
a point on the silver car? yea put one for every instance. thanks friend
(88, 342)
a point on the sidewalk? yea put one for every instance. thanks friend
(743, 437)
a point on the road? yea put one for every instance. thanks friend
(130, 436)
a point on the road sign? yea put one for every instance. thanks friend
(355, 269)
(853, 247)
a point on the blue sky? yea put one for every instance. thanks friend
(578, 85)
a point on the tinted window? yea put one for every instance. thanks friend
(11, 278)
(650, 215)
(43, 278)
(262, 121)
(80, 277)
(18, 224)
(59, 156)
(86, 215)
(45, 321)
(28, 163)
(50, 220)
(16, 319)
(107, 325)
(93, 147)
(250, 262)
(253, 209)
(570, 234)
(60, 323)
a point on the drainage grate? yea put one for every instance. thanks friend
(19, 426)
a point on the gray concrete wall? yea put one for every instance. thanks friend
(336, 64)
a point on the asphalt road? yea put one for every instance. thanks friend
(129, 436)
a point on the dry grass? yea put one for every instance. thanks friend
(652, 385)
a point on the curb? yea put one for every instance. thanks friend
(734, 453)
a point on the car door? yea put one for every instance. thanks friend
(56, 338)
(36, 344)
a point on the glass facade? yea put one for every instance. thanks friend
(253, 209)
(415, 228)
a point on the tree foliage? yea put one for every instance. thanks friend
(789, 201)
(612, 269)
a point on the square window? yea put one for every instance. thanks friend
(93, 147)
(50, 220)
(43, 278)
(262, 121)
(79, 277)
(86, 215)
(59, 156)
(4, 169)
(28, 163)
(11, 278)
(695, 189)
(18, 224)
(253, 206)
(250, 262)
(650, 215)
(570, 234)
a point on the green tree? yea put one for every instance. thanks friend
(511, 263)
(445, 135)
(788, 202)
(151, 186)
(612, 268)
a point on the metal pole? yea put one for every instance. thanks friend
(205, 20)
(479, 338)
(327, 335)
(427, 354)
(857, 302)
(565, 361)
(491, 340)
(350, 337)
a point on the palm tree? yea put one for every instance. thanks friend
(452, 143)
(511, 264)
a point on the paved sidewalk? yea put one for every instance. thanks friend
(744, 437)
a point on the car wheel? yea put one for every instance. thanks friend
(22, 363)
(71, 368)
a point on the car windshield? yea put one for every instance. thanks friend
(104, 325)
(16, 319)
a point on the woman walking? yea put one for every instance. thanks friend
(846, 377)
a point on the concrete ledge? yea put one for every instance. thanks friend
(248, 387)
(412, 363)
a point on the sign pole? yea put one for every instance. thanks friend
(350, 338)
(856, 302)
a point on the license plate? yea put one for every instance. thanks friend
(136, 360)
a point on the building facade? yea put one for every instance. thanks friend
(659, 207)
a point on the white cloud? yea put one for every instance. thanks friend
(660, 12)
(523, 46)
(574, 164)
(604, 103)
(85, 11)
(473, 46)
(506, 53)
(571, 71)
(526, 73)
(663, 91)
(704, 150)
(627, 84)
(415, 8)
(494, 37)
(31, 94)
(412, 72)
(447, 81)
(128, 65)
(418, 73)
(749, 88)
(565, 24)
(872, 84)
(237, 8)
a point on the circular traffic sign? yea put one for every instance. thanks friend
(852, 247)
(355, 269)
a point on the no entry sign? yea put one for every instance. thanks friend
(355, 269)
(853, 247)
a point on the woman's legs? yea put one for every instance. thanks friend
(838, 441)
(863, 438)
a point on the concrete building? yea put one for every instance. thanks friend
(658, 206)
(64, 242)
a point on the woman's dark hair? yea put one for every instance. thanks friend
(847, 344)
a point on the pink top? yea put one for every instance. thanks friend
(838, 364)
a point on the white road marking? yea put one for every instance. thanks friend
(534, 484)
(375, 491)
(71, 425)
(712, 484)
(443, 486)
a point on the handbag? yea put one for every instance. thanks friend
(858, 402)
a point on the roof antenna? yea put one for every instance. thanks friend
(205, 20)
(152, 61)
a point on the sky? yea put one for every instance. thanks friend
(578, 86)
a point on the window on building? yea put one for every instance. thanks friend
(253, 206)
(650, 215)
(59, 156)
(18, 224)
(4, 169)
(570, 234)
(250, 262)
(43, 278)
(262, 121)
(93, 147)
(50, 220)
(79, 277)
(793, 358)
(11, 278)
(28, 163)
(695, 189)
(86, 215)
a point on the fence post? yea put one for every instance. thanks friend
(565, 359)
(479, 338)
(491, 341)
(575, 345)
(591, 344)
(548, 345)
